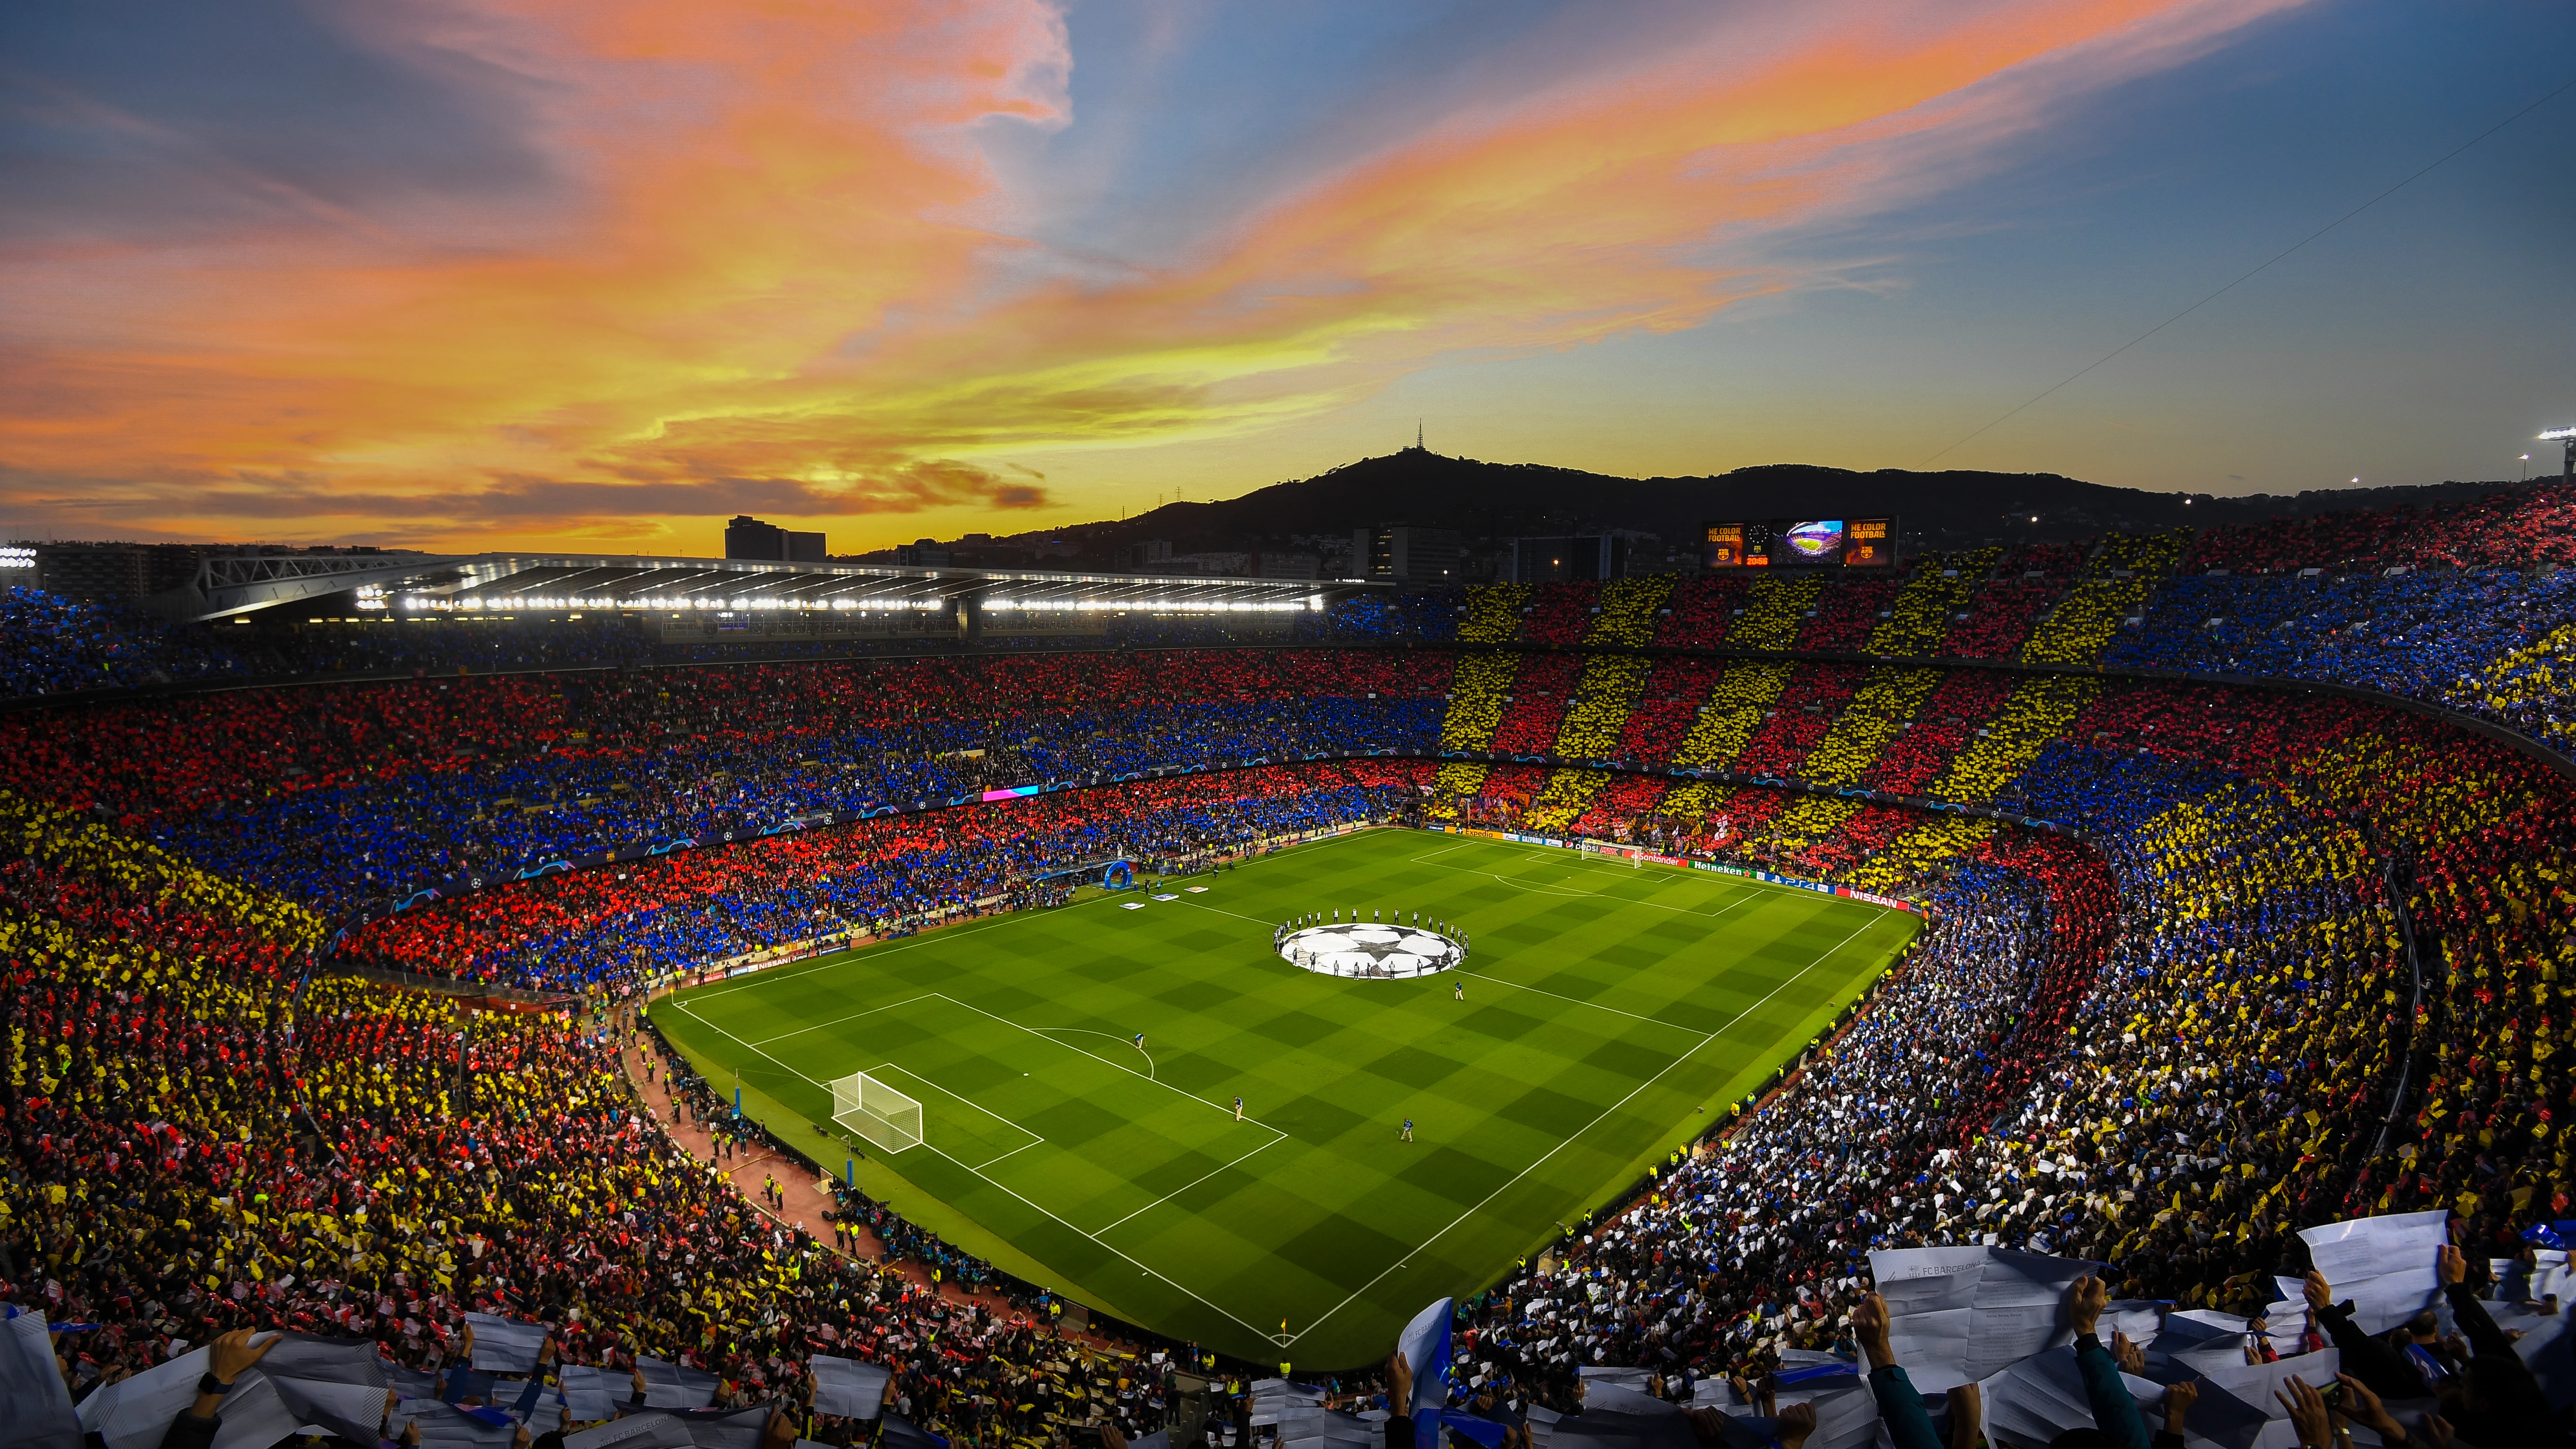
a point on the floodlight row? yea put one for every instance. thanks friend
(1176, 606)
(417, 602)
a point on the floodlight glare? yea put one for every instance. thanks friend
(2558, 435)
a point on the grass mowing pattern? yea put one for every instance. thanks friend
(1612, 1012)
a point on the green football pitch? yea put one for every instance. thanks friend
(1612, 1013)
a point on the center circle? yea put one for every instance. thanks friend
(1364, 949)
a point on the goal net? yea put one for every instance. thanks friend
(877, 1112)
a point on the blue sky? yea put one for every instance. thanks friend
(600, 273)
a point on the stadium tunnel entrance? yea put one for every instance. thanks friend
(1115, 873)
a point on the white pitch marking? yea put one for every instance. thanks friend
(1562, 1143)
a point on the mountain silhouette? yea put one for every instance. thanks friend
(1486, 501)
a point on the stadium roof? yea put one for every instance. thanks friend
(230, 585)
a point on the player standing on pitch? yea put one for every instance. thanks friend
(1238, 1109)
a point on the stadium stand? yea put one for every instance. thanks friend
(2225, 961)
(346, 793)
(1701, 612)
(202, 1144)
(659, 915)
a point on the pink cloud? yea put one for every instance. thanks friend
(743, 190)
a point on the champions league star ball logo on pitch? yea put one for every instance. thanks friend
(1370, 950)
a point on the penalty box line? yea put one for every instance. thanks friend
(1571, 1137)
(1041, 1033)
(835, 1021)
(1097, 1057)
(978, 1169)
(1747, 891)
(1591, 863)
(1276, 1137)
(1022, 1198)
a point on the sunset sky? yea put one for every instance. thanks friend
(598, 273)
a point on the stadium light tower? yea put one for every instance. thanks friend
(2566, 469)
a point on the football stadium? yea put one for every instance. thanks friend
(740, 726)
(1648, 970)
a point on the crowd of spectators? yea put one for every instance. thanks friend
(652, 918)
(1700, 611)
(1566, 796)
(1597, 718)
(1736, 706)
(2533, 690)
(53, 645)
(343, 794)
(2083, 1054)
(1940, 728)
(1542, 689)
(2481, 641)
(2463, 605)
(1558, 613)
(1624, 810)
(349, 797)
(1777, 1211)
(2287, 960)
(200, 1140)
(1479, 688)
(2467, 605)
(2520, 528)
(1666, 706)
(1922, 611)
(2164, 1046)
(2114, 586)
(1797, 718)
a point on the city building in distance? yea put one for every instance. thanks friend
(747, 537)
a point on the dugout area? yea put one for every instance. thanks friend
(1612, 1013)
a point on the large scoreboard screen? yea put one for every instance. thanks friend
(1799, 543)
(1869, 543)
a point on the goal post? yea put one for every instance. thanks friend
(877, 1112)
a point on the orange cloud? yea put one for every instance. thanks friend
(758, 275)
(1563, 220)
